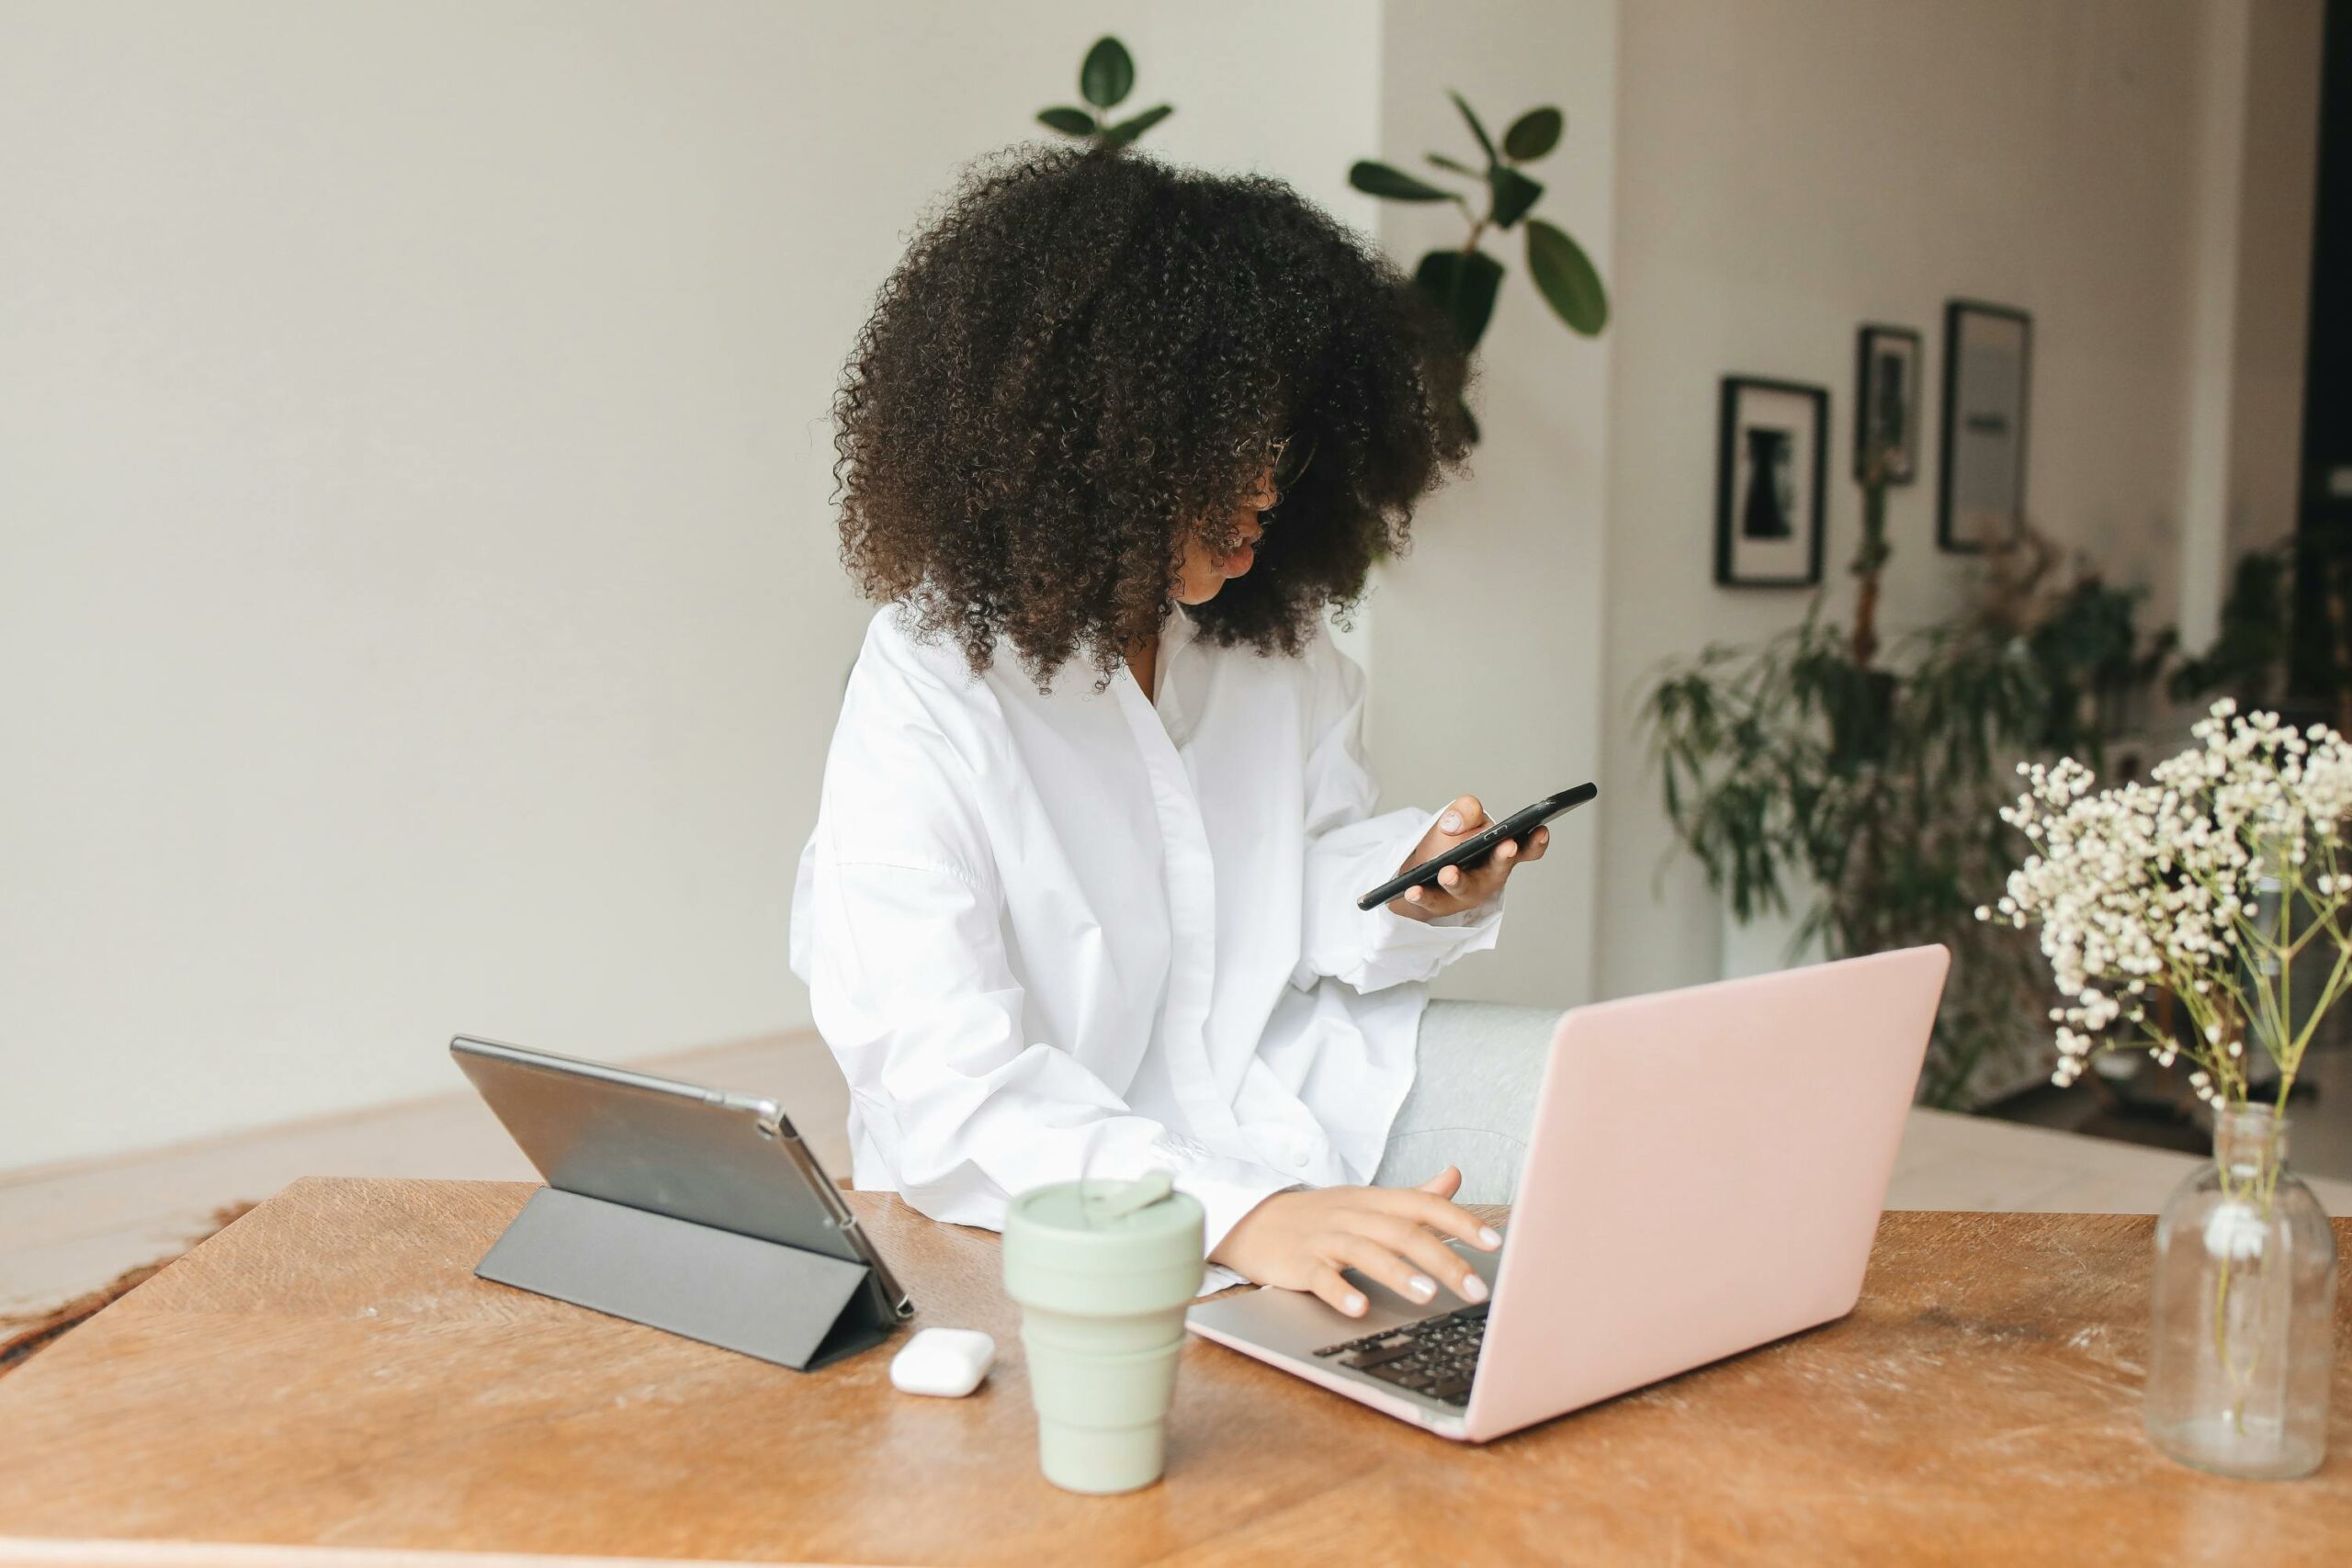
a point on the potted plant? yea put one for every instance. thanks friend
(1463, 280)
(2205, 886)
(1826, 775)
(2285, 642)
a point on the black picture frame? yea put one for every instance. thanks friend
(1739, 538)
(1987, 379)
(1872, 344)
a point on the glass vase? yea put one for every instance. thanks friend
(2240, 1342)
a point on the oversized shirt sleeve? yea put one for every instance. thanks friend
(1350, 851)
(898, 930)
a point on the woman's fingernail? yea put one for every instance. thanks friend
(1489, 1239)
(1473, 1289)
(1352, 1306)
(1450, 821)
(1422, 1287)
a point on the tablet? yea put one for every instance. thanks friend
(728, 1161)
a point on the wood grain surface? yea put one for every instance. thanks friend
(328, 1377)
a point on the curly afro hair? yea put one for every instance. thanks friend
(1080, 366)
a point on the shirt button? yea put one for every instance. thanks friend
(1301, 1159)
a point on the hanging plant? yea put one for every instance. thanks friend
(1464, 281)
(1106, 77)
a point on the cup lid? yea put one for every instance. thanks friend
(1105, 1224)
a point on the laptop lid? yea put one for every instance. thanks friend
(1706, 1173)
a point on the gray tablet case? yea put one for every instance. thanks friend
(682, 1208)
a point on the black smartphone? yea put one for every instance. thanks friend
(1471, 851)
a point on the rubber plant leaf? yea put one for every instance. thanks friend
(1395, 185)
(1534, 134)
(1463, 283)
(1476, 129)
(1108, 75)
(1514, 194)
(1126, 130)
(1565, 277)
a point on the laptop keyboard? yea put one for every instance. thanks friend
(1437, 1356)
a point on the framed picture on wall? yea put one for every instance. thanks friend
(1886, 402)
(1988, 359)
(1772, 456)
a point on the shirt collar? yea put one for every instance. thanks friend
(1176, 630)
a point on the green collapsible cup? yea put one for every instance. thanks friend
(1103, 1271)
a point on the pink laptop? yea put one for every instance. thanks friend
(1705, 1174)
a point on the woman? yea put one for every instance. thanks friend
(1081, 898)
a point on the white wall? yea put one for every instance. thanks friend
(1487, 635)
(1788, 169)
(2255, 180)
(2278, 182)
(417, 586)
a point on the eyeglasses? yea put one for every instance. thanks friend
(1287, 457)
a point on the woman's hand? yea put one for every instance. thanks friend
(1459, 889)
(1301, 1240)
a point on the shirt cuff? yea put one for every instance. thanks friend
(1400, 948)
(1226, 1191)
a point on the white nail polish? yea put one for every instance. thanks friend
(1451, 822)
(1473, 1289)
(1355, 1305)
(1423, 1287)
(1487, 1237)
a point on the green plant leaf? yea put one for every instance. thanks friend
(1565, 276)
(1126, 130)
(1463, 283)
(1395, 185)
(1454, 165)
(1514, 194)
(1534, 134)
(1108, 75)
(1068, 121)
(1476, 129)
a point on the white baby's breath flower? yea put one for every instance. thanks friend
(2185, 882)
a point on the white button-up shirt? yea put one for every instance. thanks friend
(1070, 934)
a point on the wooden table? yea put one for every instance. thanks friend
(328, 1375)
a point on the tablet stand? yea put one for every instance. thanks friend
(780, 1304)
